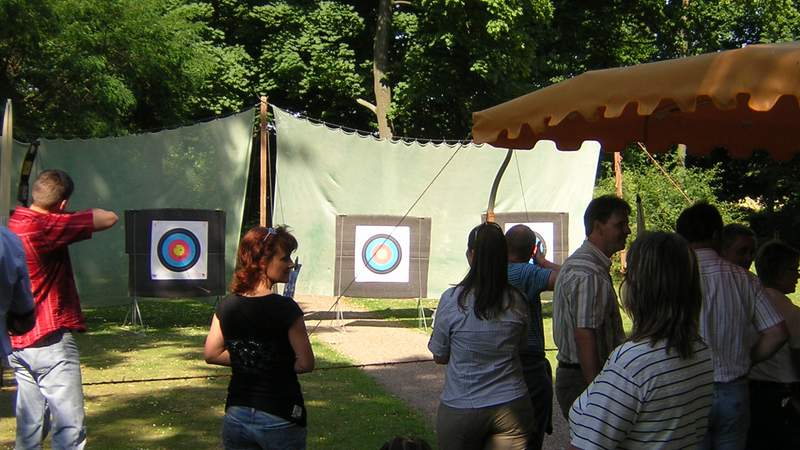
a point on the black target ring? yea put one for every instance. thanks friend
(381, 254)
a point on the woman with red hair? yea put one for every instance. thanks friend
(263, 337)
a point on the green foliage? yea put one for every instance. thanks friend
(454, 57)
(662, 202)
(307, 59)
(93, 68)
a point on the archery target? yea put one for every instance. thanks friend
(545, 231)
(382, 254)
(178, 250)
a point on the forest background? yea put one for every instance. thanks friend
(94, 68)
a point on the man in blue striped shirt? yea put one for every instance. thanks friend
(532, 279)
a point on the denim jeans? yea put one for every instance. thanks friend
(49, 384)
(730, 416)
(249, 428)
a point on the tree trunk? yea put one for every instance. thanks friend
(383, 95)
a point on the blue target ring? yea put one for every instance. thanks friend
(381, 254)
(178, 250)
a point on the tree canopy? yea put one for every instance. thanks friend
(95, 68)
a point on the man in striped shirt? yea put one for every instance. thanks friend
(737, 322)
(45, 359)
(587, 324)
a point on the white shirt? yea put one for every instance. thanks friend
(735, 310)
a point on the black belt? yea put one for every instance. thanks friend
(563, 365)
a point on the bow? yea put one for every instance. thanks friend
(493, 194)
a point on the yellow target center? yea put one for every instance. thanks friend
(382, 254)
(179, 250)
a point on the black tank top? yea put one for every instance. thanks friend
(256, 332)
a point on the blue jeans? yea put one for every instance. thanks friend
(730, 416)
(49, 384)
(249, 428)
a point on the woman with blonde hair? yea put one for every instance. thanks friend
(655, 390)
(263, 337)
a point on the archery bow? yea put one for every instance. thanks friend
(493, 194)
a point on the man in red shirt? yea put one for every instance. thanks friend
(45, 359)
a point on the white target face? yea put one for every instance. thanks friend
(544, 231)
(382, 253)
(178, 250)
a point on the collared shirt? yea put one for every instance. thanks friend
(45, 238)
(483, 367)
(645, 397)
(531, 279)
(584, 297)
(735, 309)
(15, 285)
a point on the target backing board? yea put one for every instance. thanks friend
(382, 256)
(177, 250)
(552, 228)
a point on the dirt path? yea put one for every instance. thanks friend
(366, 339)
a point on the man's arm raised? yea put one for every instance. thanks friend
(102, 219)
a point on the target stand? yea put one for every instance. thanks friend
(174, 253)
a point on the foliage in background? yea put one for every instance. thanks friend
(662, 202)
(455, 57)
(95, 68)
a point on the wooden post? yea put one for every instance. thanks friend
(618, 185)
(265, 183)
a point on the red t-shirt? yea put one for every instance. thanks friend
(45, 238)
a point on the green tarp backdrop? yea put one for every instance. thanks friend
(324, 172)
(202, 166)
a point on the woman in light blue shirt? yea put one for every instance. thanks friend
(480, 326)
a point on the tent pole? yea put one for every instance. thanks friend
(264, 191)
(618, 185)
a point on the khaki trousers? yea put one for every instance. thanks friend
(501, 427)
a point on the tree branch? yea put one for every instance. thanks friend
(366, 104)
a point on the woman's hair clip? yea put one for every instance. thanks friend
(270, 232)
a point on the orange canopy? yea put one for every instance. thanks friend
(743, 100)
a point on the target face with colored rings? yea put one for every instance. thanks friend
(178, 249)
(381, 253)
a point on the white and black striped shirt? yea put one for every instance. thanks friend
(645, 398)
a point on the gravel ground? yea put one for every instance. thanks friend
(367, 340)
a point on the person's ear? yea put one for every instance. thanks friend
(63, 205)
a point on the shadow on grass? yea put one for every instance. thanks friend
(177, 323)
(347, 410)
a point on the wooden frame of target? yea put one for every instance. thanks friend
(175, 252)
(551, 227)
(382, 256)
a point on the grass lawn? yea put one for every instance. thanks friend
(347, 408)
